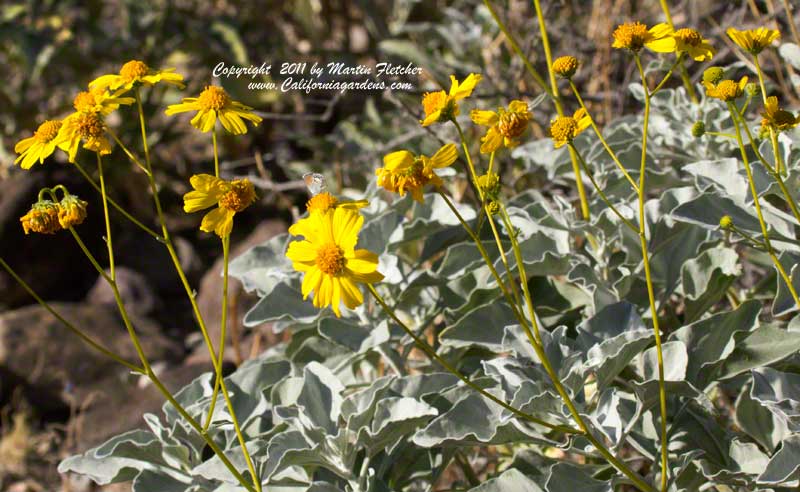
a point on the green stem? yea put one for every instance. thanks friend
(216, 154)
(601, 193)
(430, 352)
(473, 176)
(779, 168)
(109, 243)
(776, 175)
(662, 391)
(118, 207)
(77, 331)
(761, 221)
(603, 141)
(189, 292)
(223, 325)
(540, 353)
(560, 109)
(687, 82)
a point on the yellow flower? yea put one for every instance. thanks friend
(726, 90)
(327, 256)
(87, 127)
(489, 184)
(687, 41)
(565, 128)
(136, 72)
(215, 103)
(441, 106)
(505, 125)
(753, 40)
(777, 118)
(322, 202)
(39, 146)
(41, 218)
(99, 101)
(565, 66)
(404, 172)
(635, 35)
(71, 211)
(229, 196)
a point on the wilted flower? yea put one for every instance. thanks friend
(229, 196)
(136, 72)
(565, 128)
(38, 147)
(753, 40)
(327, 256)
(215, 103)
(71, 211)
(404, 172)
(41, 218)
(777, 118)
(442, 106)
(505, 125)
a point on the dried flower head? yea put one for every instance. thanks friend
(41, 218)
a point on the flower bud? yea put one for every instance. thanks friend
(698, 129)
(489, 184)
(565, 66)
(726, 222)
(752, 89)
(713, 75)
(493, 207)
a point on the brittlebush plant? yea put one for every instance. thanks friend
(468, 338)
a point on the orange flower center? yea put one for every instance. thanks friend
(47, 131)
(133, 70)
(513, 125)
(89, 125)
(689, 36)
(213, 97)
(321, 203)
(240, 196)
(727, 90)
(84, 102)
(330, 259)
(631, 35)
(563, 129)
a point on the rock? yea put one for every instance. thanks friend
(239, 302)
(47, 359)
(134, 289)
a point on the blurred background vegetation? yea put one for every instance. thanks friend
(51, 49)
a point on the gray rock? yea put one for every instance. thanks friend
(134, 289)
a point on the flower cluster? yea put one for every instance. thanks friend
(49, 217)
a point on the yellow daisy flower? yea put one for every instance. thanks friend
(687, 41)
(41, 218)
(635, 35)
(215, 103)
(322, 202)
(777, 118)
(565, 128)
(505, 125)
(229, 196)
(753, 40)
(88, 128)
(327, 256)
(726, 90)
(441, 106)
(39, 146)
(136, 72)
(99, 101)
(404, 172)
